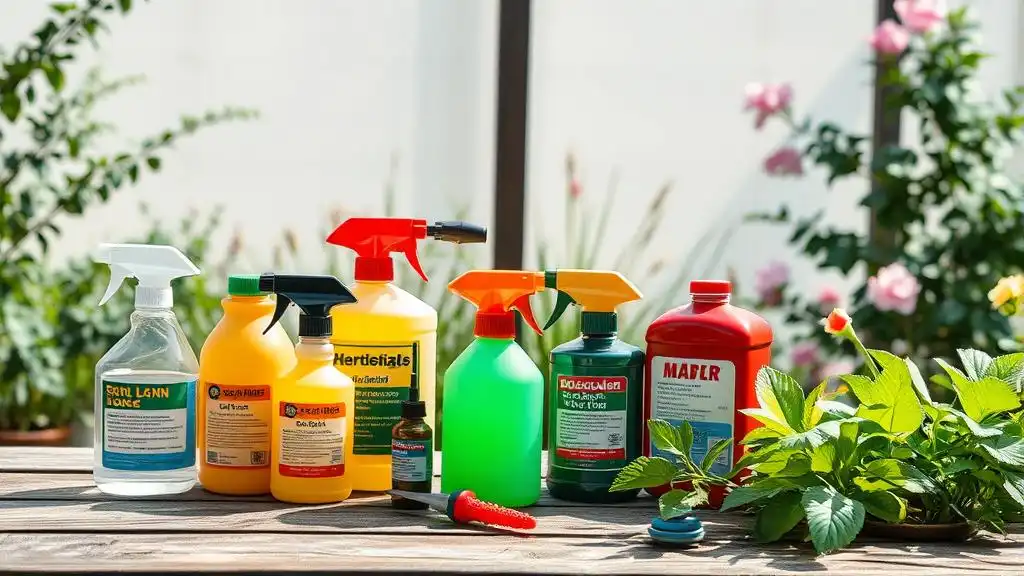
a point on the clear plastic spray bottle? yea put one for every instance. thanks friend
(145, 439)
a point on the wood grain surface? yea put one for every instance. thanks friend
(52, 519)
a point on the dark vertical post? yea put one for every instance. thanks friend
(885, 132)
(510, 146)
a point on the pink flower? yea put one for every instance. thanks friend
(894, 288)
(920, 16)
(768, 100)
(784, 161)
(828, 299)
(575, 189)
(805, 354)
(837, 368)
(769, 282)
(890, 38)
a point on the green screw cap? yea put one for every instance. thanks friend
(244, 285)
(599, 322)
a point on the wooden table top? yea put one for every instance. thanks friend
(52, 519)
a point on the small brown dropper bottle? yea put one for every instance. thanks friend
(412, 453)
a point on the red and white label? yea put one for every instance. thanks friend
(312, 441)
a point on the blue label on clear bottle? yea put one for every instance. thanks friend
(148, 427)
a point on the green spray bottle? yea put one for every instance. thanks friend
(493, 395)
(595, 423)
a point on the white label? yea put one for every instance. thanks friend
(144, 431)
(410, 460)
(701, 392)
(237, 429)
(312, 440)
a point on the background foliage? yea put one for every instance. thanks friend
(52, 167)
(953, 210)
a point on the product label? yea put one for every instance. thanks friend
(312, 440)
(148, 426)
(237, 430)
(590, 422)
(382, 374)
(412, 460)
(702, 392)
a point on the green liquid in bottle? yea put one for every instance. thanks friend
(492, 410)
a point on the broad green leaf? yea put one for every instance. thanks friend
(885, 506)
(823, 458)
(975, 428)
(778, 517)
(813, 413)
(756, 491)
(670, 439)
(918, 381)
(834, 408)
(644, 472)
(1005, 448)
(760, 434)
(846, 443)
(976, 363)
(833, 519)
(889, 473)
(1009, 368)
(677, 502)
(957, 466)
(713, 453)
(757, 456)
(784, 464)
(768, 419)
(890, 400)
(984, 397)
(781, 396)
(1014, 486)
(885, 358)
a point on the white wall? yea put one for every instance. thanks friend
(651, 89)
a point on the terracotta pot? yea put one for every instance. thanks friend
(60, 436)
(958, 532)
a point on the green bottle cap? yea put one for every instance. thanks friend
(599, 322)
(244, 285)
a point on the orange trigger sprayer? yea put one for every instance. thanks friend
(496, 293)
(494, 395)
(387, 341)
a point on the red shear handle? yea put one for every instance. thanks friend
(466, 508)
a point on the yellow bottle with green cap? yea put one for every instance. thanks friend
(237, 368)
(595, 398)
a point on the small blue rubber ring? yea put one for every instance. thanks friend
(678, 524)
(677, 537)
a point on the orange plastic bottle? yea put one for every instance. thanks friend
(237, 367)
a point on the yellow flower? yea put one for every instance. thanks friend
(1009, 288)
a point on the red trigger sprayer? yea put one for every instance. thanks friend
(374, 239)
(386, 342)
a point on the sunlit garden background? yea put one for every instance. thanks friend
(754, 164)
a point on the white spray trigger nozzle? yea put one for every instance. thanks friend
(153, 265)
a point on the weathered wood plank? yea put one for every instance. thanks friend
(61, 460)
(364, 516)
(26, 459)
(79, 486)
(270, 553)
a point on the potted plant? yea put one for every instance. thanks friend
(897, 463)
(49, 170)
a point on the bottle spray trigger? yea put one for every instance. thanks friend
(408, 248)
(522, 304)
(561, 304)
(118, 274)
(282, 306)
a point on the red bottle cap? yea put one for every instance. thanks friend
(710, 287)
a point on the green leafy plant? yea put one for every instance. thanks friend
(50, 169)
(896, 457)
(945, 209)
